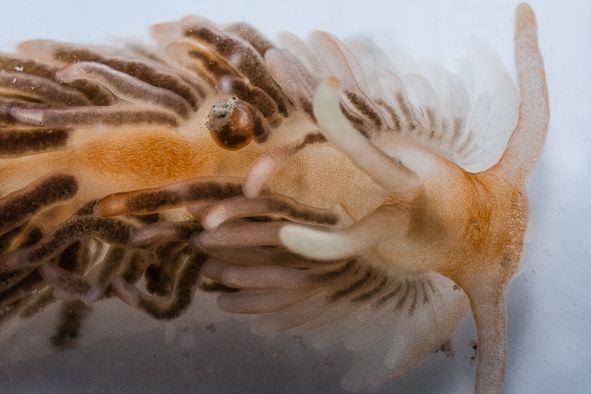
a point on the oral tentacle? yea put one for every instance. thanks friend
(332, 245)
(389, 173)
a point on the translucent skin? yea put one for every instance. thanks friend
(410, 221)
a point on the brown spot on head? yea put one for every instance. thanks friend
(231, 124)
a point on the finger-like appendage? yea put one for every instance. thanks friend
(164, 232)
(252, 35)
(263, 169)
(65, 285)
(244, 58)
(291, 317)
(492, 345)
(125, 291)
(115, 258)
(152, 72)
(261, 255)
(265, 289)
(265, 277)
(252, 95)
(268, 277)
(487, 303)
(168, 259)
(170, 196)
(73, 315)
(21, 141)
(527, 140)
(125, 86)
(389, 173)
(41, 89)
(109, 230)
(114, 116)
(385, 222)
(18, 207)
(214, 269)
(266, 166)
(239, 235)
(267, 301)
(293, 77)
(271, 205)
(164, 308)
(11, 282)
(197, 210)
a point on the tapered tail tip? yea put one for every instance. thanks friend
(524, 18)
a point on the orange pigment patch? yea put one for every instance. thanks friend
(150, 158)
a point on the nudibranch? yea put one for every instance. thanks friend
(316, 186)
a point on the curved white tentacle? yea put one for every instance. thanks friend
(392, 175)
(318, 244)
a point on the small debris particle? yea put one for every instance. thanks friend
(474, 346)
(447, 348)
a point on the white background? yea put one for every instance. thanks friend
(549, 309)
